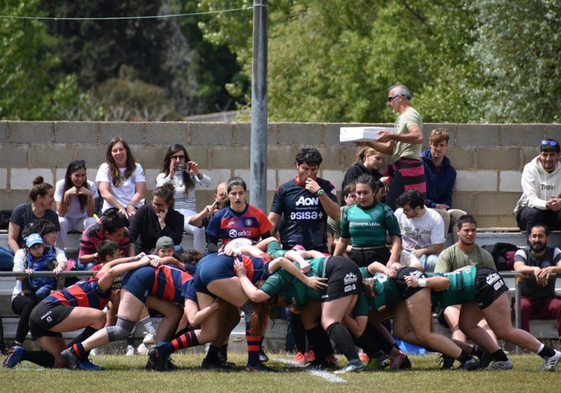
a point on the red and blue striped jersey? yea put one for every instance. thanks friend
(84, 293)
(227, 224)
(168, 283)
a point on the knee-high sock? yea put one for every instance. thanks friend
(298, 332)
(41, 358)
(82, 336)
(253, 345)
(366, 343)
(378, 338)
(319, 341)
(341, 336)
(186, 340)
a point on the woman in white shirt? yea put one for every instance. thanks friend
(74, 196)
(184, 174)
(121, 179)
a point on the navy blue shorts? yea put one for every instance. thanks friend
(139, 282)
(45, 316)
(214, 267)
(188, 291)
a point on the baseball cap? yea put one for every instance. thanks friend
(33, 239)
(164, 242)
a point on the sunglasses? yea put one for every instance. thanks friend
(390, 99)
(546, 142)
(176, 157)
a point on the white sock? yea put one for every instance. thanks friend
(147, 324)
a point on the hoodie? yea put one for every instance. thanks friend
(538, 185)
(439, 186)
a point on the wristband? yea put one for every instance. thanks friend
(422, 282)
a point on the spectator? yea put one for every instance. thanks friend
(75, 201)
(422, 229)
(111, 226)
(158, 219)
(41, 195)
(121, 179)
(306, 202)
(463, 253)
(237, 219)
(23, 301)
(367, 224)
(540, 202)
(405, 144)
(538, 290)
(367, 162)
(184, 174)
(441, 177)
(349, 197)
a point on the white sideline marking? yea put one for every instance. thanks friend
(329, 377)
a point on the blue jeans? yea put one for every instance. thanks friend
(428, 262)
(6, 259)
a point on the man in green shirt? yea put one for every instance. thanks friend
(464, 253)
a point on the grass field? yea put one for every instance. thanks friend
(126, 374)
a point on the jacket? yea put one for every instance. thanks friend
(439, 186)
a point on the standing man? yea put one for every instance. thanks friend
(540, 202)
(306, 202)
(422, 229)
(464, 253)
(538, 290)
(405, 144)
(441, 177)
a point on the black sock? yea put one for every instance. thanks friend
(341, 336)
(366, 343)
(223, 353)
(378, 338)
(82, 336)
(41, 358)
(477, 351)
(464, 357)
(315, 340)
(499, 355)
(298, 332)
(546, 351)
(212, 353)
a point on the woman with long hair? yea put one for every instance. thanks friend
(367, 162)
(121, 179)
(42, 197)
(75, 200)
(237, 219)
(185, 175)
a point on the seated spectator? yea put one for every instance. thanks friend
(441, 177)
(538, 289)
(422, 229)
(42, 197)
(540, 202)
(158, 219)
(25, 299)
(349, 196)
(75, 201)
(367, 162)
(111, 226)
(184, 175)
(120, 179)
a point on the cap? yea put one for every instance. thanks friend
(164, 242)
(33, 239)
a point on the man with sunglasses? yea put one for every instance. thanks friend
(540, 202)
(405, 144)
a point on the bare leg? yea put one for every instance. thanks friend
(228, 289)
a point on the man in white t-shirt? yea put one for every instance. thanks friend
(422, 229)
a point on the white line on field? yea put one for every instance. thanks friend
(329, 377)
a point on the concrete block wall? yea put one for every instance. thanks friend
(488, 157)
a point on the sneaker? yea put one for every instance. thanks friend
(149, 338)
(471, 365)
(14, 357)
(406, 365)
(309, 356)
(485, 360)
(216, 364)
(155, 361)
(363, 357)
(397, 360)
(447, 362)
(501, 365)
(88, 366)
(332, 359)
(130, 350)
(379, 363)
(354, 366)
(94, 352)
(143, 349)
(299, 358)
(263, 358)
(260, 367)
(171, 366)
(550, 363)
(70, 358)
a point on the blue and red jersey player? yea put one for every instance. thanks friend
(227, 224)
(85, 293)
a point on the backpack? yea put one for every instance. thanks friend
(503, 255)
(5, 218)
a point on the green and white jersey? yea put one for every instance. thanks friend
(289, 288)
(367, 228)
(386, 293)
(461, 290)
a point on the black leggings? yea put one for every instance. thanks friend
(22, 306)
